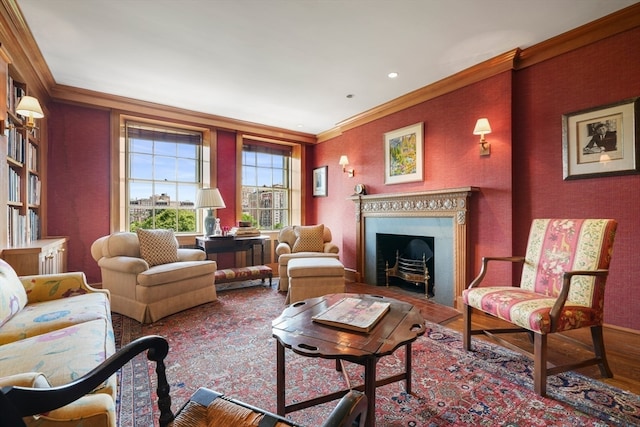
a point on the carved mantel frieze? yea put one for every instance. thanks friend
(449, 202)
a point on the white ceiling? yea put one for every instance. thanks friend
(285, 63)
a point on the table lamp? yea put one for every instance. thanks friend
(212, 199)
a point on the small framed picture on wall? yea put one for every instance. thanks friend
(601, 141)
(320, 181)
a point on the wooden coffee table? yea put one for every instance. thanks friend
(295, 330)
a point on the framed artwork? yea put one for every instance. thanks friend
(320, 181)
(601, 141)
(403, 156)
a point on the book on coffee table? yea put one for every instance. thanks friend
(356, 314)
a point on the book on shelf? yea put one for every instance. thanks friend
(356, 314)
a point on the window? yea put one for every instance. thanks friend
(266, 185)
(163, 174)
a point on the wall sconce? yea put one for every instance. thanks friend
(29, 107)
(483, 127)
(344, 162)
(210, 198)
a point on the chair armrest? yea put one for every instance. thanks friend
(25, 401)
(564, 292)
(124, 264)
(330, 248)
(485, 266)
(48, 287)
(188, 254)
(283, 248)
(352, 407)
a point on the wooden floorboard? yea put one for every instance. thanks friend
(622, 347)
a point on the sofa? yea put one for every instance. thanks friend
(150, 277)
(302, 241)
(54, 329)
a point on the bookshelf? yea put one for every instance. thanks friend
(22, 229)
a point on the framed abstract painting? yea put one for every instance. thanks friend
(403, 155)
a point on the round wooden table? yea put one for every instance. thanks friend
(294, 329)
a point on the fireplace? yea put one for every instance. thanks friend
(439, 214)
(392, 247)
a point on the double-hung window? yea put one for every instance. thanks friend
(266, 185)
(163, 174)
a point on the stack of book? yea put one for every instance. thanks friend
(244, 231)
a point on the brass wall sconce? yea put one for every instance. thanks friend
(344, 162)
(29, 107)
(482, 128)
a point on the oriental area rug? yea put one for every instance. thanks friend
(227, 346)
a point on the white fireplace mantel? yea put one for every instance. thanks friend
(446, 203)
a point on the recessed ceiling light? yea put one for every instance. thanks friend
(392, 75)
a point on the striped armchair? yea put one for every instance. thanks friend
(561, 288)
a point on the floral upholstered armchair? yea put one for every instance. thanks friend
(302, 241)
(564, 271)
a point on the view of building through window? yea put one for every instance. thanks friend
(163, 176)
(266, 185)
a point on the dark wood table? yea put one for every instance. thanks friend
(295, 330)
(220, 244)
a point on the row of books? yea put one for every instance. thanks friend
(16, 143)
(34, 190)
(17, 226)
(14, 186)
(15, 91)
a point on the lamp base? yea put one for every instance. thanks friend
(209, 223)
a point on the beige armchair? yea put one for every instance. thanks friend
(302, 242)
(150, 277)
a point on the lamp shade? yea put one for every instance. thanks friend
(209, 198)
(29, 107)
(344, 161)
(482, 127)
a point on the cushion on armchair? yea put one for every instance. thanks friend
(158, 246)
(308, 238)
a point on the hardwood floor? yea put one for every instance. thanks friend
(622, 347)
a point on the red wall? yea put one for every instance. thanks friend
(78, 181)
(603, 73)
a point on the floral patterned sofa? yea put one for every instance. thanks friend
(54, 329)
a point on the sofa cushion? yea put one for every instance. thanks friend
(13, 297)
(64, 355)
(158, 246)
(309, 238)
(42, 317)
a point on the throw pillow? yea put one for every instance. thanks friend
(13, 296)
(158, 246)
(309, 238)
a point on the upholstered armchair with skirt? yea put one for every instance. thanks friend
(150, 277)
(561, 288)
(298, 241)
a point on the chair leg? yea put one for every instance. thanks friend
(598, 348)
(540, 364)
(466, 327)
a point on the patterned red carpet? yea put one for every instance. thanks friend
(227, 346)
